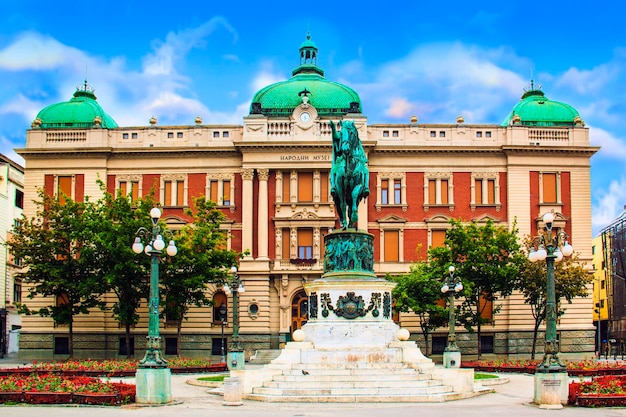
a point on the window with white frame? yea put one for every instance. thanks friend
(392, 238)
(302, 187)
(129, 185)
(220, 188)
(438, 190)
(174, 190)
(549, 187)
(391, 190)
(485, 189)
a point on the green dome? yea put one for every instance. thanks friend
(329, 98)
(535, 109)
(82, 111)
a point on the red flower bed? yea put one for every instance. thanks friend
(603, 391)
(587, 367)
(57, 389)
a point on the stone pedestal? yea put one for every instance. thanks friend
(452, 359)
(232, 391)
(551, 389)
(154, 386)
(235, 360)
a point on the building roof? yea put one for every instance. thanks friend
(329, 98)
(535, 109)
(81, 111)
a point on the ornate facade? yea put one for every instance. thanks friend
(270, 176)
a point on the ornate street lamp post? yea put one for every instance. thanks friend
(223, 311)
(550, 248)
(451, 286)
(551, 380)
(235, 286)
(153, 377)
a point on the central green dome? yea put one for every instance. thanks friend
(81, 111)
(329, 98)
(535, 109)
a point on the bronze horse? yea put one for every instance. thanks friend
(349, 175)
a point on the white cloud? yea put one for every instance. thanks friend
(33, 51)
(609, 204)
(612, 147)
(399, 108)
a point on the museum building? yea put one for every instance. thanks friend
(270, 177)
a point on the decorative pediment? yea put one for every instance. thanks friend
(174, 221)
(437, 218)
(304, 214)
(392, 218)
(485, 218)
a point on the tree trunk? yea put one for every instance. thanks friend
(127, 340)
(179, 336)
(425, 334)
(71, 337)
(535, 333)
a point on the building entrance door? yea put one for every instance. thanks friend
(299, 310)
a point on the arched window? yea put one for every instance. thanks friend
(219, 298)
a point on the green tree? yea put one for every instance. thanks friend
(419, 291)
(487, 260)
(570, 281)
(57, 247)
(201, 260)
(125, 273)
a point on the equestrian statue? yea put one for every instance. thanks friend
(349, 175)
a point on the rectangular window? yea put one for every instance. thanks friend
(179, 135)
(213, 191)
(392, 246)
(286, 243)
(216, 346)
(305, 243)
(17, 291)
(19, 199)
(479, 134)
(61, 345)
(305, 186)
(433, 134)
(124, 135)
(486, 344)
(485, 307)
(64, 188)
(442, 134)
(602, 284)
(134, 135)
(549, 188)
(395, 133)
(384, 192)
(397, 191)
(123, 351)
(324, 187)
(225, 134)
(385, 133)
(216, 134)
(491, 191)
(171, 345)
(170, 135)
(167, 198)
(226, 196)
(487, 134)
(134, 189)
(438, 238)
(432, 191)
(478, 186)
(180, 193)
(286, 187)
(444, 191)
(439, 344)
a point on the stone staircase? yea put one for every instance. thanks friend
(353, 382)
(263, 357)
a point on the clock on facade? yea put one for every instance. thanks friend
(305, 117)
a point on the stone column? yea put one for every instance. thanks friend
(247, 175)
(262, 235)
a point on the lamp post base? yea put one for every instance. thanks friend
(551, 389)
(451, 359)
(154, 386)
(236, 359)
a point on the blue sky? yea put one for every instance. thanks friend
(177, 60)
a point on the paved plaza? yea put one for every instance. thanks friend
(512, 399)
